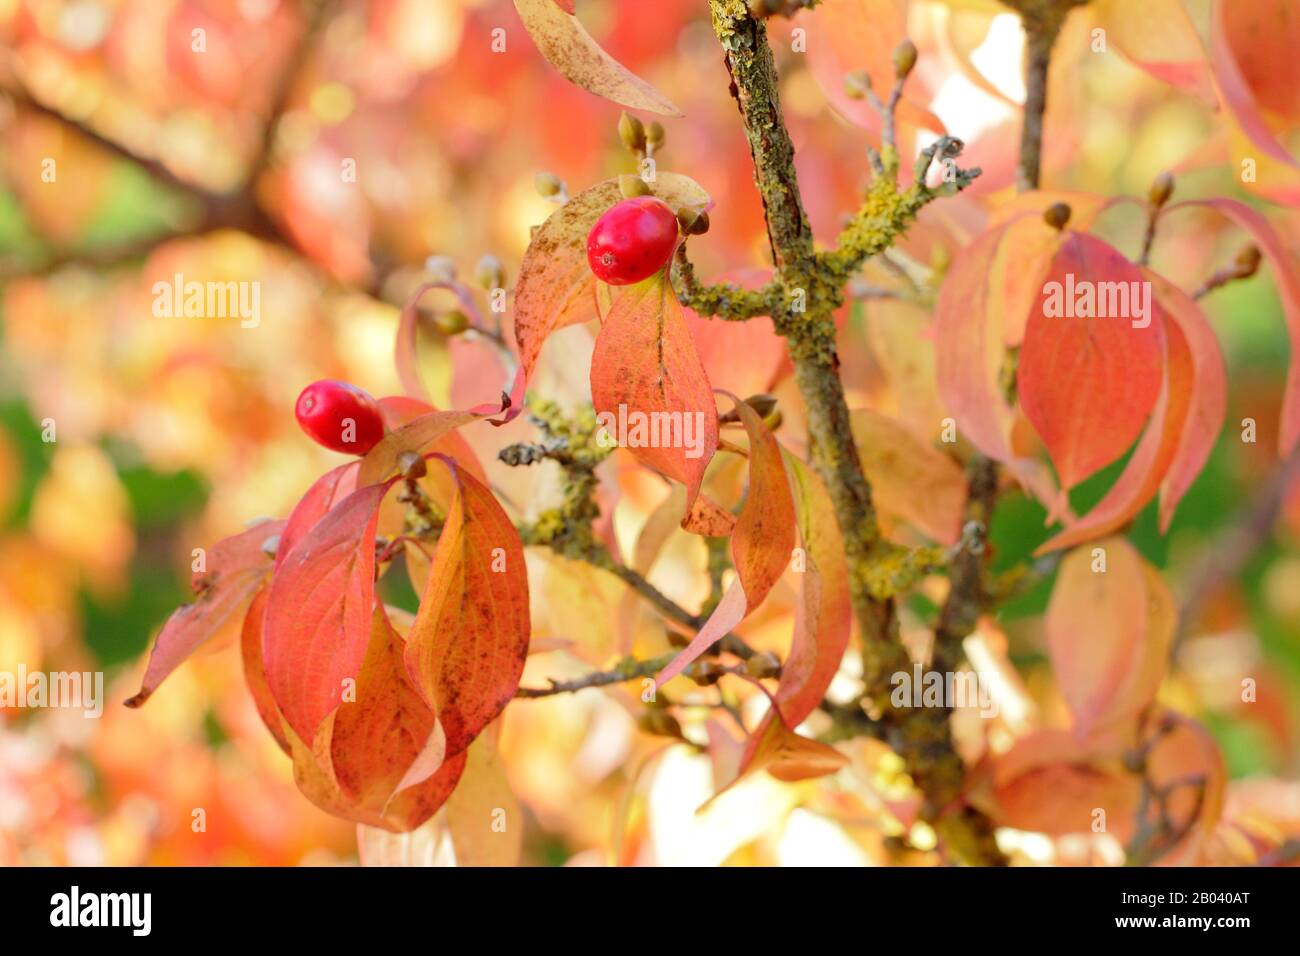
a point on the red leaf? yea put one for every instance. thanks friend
(318, 620)
(250, 648)
(644, 371)
(1159, 37)
(417, 435)
(1183, 428)
(760, 545)
(1090, 364)
(466, 650)
(1288, 286)
(969, 348)
(556, 287)
(335, 485)
(719, 341)
(236, 568)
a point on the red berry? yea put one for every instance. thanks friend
(632, 241)
(340, 416)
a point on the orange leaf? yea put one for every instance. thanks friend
(909, 477)
(645, 375)
(318, 619)
(466, 650)
(760, 545)
(1159, 37)
(1109, 633)
(483, 816)
(569, 48)
(823, 616)
(236, 569)
(1089, 370)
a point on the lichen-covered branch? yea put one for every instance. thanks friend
(814, 286)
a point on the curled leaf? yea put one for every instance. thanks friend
(466, 649)
(235, 569)
(318, 619)
(569, 48)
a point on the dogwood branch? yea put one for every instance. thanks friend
(817, 283)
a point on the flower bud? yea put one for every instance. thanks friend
(654, 135)
(857, 84)
(1057, 215)
(451, 322)
(631, 132)
(904, 59)
(411, 465)
(1247, 260)
(693, 222)
(489, 273)
(631, 186)
(1161, 189)
(440, 268)
(548, 185)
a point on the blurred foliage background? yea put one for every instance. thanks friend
(223, 165)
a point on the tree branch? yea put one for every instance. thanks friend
(921, 736)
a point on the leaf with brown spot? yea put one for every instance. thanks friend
(569, 48)
(466, 650)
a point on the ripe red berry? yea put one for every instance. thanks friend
(340, 416)
(632, 241)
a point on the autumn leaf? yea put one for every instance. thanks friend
(1159, 37)
(235, 569)
(824, 614)
(776, 748)
(466, 650)
(417, 435)
(1287, 278)
(1089, 371)
(1184, 424)
(318, 619)
(569, 48)
(483, 816)
(760, 545)
(1252, 49)
(1110, 627)
(644, 371)
(331, 487)
(910, 479)
(555, 286)
(250, 652)
(399, 410)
